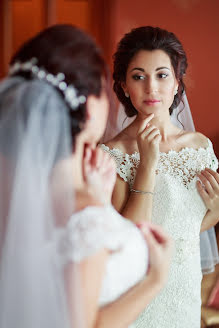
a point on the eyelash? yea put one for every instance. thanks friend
(163, 75)
(141, 77)
(138, 77)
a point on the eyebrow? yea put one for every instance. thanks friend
(163, 67)
(142, 70)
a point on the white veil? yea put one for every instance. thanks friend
(181, 117)
(34, 137)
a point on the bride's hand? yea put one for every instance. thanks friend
(148, 139)
(209, 190)
(99, 174)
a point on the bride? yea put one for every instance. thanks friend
(163, 168)
(68, 259)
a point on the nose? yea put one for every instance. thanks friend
(151, 86)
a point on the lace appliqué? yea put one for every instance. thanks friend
(182, 165)
(179, 209)
(126, 164)
(89, 231)
(95, 228)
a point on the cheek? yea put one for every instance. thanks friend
(105, 108)
(170, 84)
(168, 95)
(104, 112)
(169, 89)
(135, 92)
(134, 99)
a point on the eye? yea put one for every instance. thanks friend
(163, 75)
(138, 77)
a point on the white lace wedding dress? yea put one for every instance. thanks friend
(179, 209)
(95, 228)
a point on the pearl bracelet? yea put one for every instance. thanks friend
(141, 192)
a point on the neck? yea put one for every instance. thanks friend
(163, 123)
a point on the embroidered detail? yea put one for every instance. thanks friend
(182, 165)
(179, 209)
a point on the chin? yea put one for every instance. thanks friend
(149, 111)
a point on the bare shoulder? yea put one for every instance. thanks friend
(194, 140)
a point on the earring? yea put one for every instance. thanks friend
(127, 94)
(175, 92)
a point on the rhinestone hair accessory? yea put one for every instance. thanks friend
(70, 92)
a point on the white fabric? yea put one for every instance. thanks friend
(34, 138)
(95, 228)
(179, 209)
(208, 242)
(182, 118)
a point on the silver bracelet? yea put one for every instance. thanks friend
(141, 192)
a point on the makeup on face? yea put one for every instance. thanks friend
(150, 80)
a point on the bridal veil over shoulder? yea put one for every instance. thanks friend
(34, 137)
(181, 117)
(208, 242)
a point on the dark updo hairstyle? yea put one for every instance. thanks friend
(148, 38)
(67, 49)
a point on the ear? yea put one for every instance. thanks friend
(124, 87)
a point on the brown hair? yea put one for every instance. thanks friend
(148, 38)
(67, 49)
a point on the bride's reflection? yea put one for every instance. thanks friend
(163, 167)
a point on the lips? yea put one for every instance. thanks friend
(151, 101)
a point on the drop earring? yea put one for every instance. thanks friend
(127, 94)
